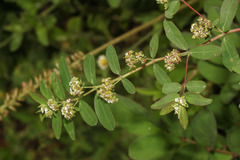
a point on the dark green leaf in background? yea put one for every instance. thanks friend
(89, 68)
(171, 87)
(57, 87)
(172, 9)
(46, 92)
(64, 73)
(154, 45)
(165, 100)
(130, 88)
(233, 140)
(39, 99)
(112, 59)
(114, 3)
(87, 113)
(57, 124)
(42, 34)
(69, 126)
(197, 99)
(195, 86)
(16, 41)
(205, 52)
(161, 75)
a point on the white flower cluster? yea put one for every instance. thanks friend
(52, 104)
(179, 103)
(172, 58)
(106, 91)
(161, 1)
(102, 62)
(76, 86)
(46, 110)
(68, 109)
(131, 59)
(202, 29)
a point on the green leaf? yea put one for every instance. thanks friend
(204, 129)
(233, 140)
(64, 73)
(197, 99)
(114, 3)
(230, 56)
(227, 94)
(165, 100)
(228, 12)
(205, 52)
(46, 92)
(128, 86)
(171, 87)
(39, 99)
(154, 45)
(87, 113)
(16, 41)
(161, 75)
(213, 73)
(69, 126)
(153, 147)
(112, 59)
(174, 35)
(172, 9)
(57, 87)
(89, 68)
(42, 34)
(236, 68)
(167, 109)
(183, 117)
(104, 113)
(196, 86)
(57, 124)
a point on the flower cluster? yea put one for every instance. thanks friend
(68, 109)
(75, 86)
(161, 1)
(171, 59)
(46, 110)
(106, 91)
(132, 58)
(52, 104)
(102, 62)
(179, 103)
(202, 29)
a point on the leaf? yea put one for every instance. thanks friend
(236, 68)
(89, 68)
(213, 72)
(112, 59)
(104, 113)
(183, 117)
(57, 124)
(227, 94)
(115, 3)
(227, 14)
(233, 140)
(171, 87)
(230, 56)
(161, 75)
(172, 9)
(39, 99)
(57, 87)
(69, 126)
(46, 92)
(204, 128)
(205, 52)
(165, 100)
(154, 45)
(42, 34)
(87, 113)
(64, 73)
(197, 99)
(130, 88)
(16, 41)
(196, 86)
(167, 109)
(174, 35)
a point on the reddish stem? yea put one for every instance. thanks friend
(193, 9)
(185, 77)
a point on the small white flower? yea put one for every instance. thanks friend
(102, 62)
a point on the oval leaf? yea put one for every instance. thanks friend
(161, 75)
(230, 56)
(197, 99)
(64, 73)
(171, 87)
(195, 86)
(174, 35)
(183, 117)
(228, 12)
(172, 9)
(87, 113)
(39, 99)
(57, 124)
(112, 59)
(165, 100)
(46, 92)
(57, 87)
(167, 109)
(204, 129)
(130, 88)
(233, 140)
(42, 34)
(89, 68)
(16, 42)
(104, 113)
(69, 126)
(154, 45)
(205, 52)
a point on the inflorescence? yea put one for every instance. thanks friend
(68, 109)
(178, 104)
(76, 86)
(172, 58)
(131, 59)
(202, 29)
